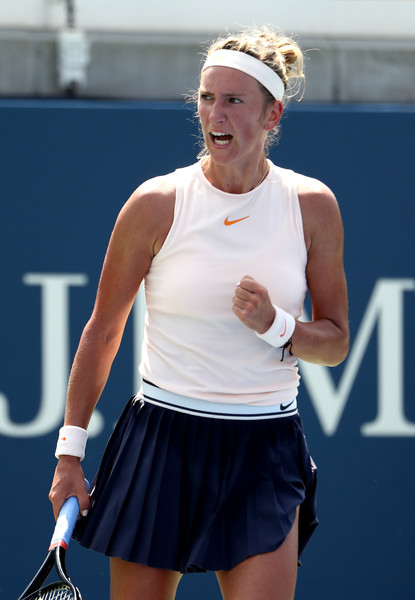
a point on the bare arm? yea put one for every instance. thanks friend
(324, 340)
(139, 232)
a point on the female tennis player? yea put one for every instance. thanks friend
(208, 467)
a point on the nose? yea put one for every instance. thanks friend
(217, 112)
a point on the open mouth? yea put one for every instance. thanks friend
(220, 139)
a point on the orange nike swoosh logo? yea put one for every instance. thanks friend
(285, 328)
(227, 222)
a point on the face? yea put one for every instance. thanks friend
(233, 115)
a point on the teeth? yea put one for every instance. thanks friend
(218, 134)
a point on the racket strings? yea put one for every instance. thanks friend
(55, 591)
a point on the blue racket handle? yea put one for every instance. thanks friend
(65, 522)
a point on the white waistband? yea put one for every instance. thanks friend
(216, 410)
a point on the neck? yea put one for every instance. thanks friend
(235, 180)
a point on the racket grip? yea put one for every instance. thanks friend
(65, 522)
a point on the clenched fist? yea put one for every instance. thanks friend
(252, 305)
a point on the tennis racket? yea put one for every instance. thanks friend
(63, 589)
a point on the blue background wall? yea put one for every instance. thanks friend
(66, 168)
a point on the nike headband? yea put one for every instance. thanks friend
(249, 65)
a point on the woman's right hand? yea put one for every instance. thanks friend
(68, 481)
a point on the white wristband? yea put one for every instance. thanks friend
(71, 441)
(281, 329)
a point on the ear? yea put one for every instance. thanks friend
(273, 115)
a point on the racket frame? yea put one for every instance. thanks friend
(64, 527)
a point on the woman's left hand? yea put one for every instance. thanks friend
(252, 305)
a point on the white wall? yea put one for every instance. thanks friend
(360, 18)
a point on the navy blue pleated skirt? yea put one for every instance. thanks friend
(188, 493)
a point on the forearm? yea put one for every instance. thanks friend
(89, 374)
(321, 342)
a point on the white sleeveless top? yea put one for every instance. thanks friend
(193, 344)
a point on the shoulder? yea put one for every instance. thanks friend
(319, 208)
(149, 211)
(312, 190)
(153, 193)
(150, 198)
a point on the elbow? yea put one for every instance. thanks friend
(341, 351)
(323, 343)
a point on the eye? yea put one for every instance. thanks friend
(235, 100)
(205, 96)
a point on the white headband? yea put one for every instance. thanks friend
(249, 65)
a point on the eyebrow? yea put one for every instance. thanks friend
(235, 94)
(226, 94)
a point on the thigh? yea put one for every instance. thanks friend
(130, 581)
(268, 576)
